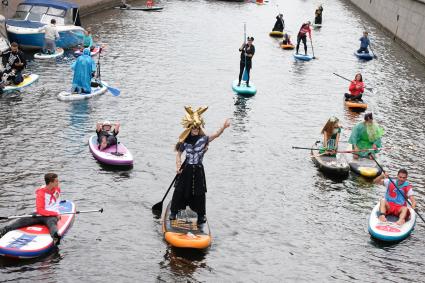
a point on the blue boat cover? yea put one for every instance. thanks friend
(24, 24)
(50, 3)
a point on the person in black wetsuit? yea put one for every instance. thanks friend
(247, 51)
(14, 63)
(318, 15)
(104, 137)
(280, 23)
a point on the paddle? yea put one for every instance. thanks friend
(395, 185)
(343, 151)
(245, 73)
(157, 208)
(367, 88)
(374, 55)
(65, 213)
(312, 48)
(116, 153)
(112, 90)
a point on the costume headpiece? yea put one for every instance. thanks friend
(192, 119)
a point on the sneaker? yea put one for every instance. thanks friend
(173, 216)
(202, 219)
(239, 84)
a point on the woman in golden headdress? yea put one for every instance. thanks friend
(191, 186)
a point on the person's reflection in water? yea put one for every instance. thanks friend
(240, 114)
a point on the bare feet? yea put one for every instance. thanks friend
(401, 222)
(103, 145)
(382, 218)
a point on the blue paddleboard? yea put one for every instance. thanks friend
(363, 56)
(303, 57)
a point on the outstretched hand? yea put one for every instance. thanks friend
(226, 123)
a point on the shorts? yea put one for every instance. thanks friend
(395, 209)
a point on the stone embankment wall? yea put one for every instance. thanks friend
(86, 6)
(403, 19)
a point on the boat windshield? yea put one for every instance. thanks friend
(43, 14)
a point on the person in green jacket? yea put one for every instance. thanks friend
(366, 137)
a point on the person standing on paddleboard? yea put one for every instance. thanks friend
(14, 63)
(280, 23)
(84, 69)
(318, 15)
(191, 187)
(104, 137)
(356, 88)
(247, 52)
(47, 209)
(364, 43)
(302, 35)
(366, 137)
(394, 202)
(51, 34)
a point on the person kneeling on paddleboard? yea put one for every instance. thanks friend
(286, 39)
(356, 88)
(104, 137)
(190, 187)
(364, 43)
(331, 132)
(47, 209)
(394, 202)
(14, 63)
(366, 137)
(84, 69)
(280, 23)
(51, 34)
(247, 51)
(302, 35)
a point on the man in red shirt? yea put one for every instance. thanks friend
(47, 209)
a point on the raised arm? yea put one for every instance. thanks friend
(98, 126)
(219, 131)
(117, 127)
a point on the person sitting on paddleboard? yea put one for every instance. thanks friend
(356, 88)
(286, 39)
(318, 15)
(364, 43)
(104, 136)
(394, 203)
(366, 137)
(51, 34)
(84, 69)
(47, 206)
(190, 187)
(247, 51)
(302, 35)
(331, 132)
(14, 63)
(280, 23)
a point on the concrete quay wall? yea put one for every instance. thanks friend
(403, 19)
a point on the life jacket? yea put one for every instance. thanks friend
(393, 195)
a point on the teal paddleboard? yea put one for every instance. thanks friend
(243, 89)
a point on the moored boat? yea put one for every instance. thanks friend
(4, 41)
(31, 15)
(389, 231)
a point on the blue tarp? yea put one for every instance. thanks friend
(50, 3)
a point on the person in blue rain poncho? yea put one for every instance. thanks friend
(84, 69)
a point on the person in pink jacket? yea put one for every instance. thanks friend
(302, 35)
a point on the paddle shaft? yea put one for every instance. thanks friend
(312, 48)
(395, 185)
(368, 88)
(65, 213)
(340, 151)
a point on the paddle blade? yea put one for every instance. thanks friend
(157, 208)
(245, 75)
(114, 91)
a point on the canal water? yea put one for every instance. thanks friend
(273, 216)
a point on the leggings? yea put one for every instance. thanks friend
(304, 39)
(50, 221)
(349, 96)
(363, 49)
(248, 70)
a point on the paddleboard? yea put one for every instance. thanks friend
(108, 156)
(34, 241)
(335, 166)
(71, 96)
(303, 57)
(364, 166)
(364, 56)
(243, 89)
(277, 33)
(184, 232)
(147, 9)
(59, 52)
(28, 80)
(356, 105)
(287, 46)
(389, 231)
(93, 52)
